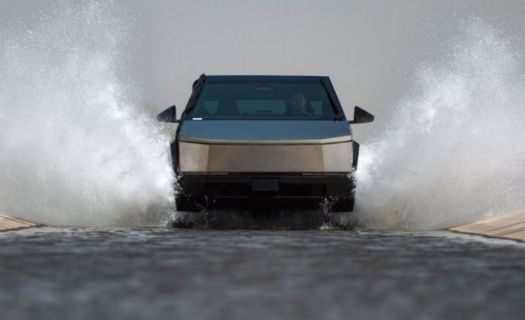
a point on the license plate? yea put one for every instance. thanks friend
(265, 185)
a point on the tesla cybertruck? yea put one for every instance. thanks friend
(264, 142)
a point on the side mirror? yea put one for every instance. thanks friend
(168, 115)
(361, 116)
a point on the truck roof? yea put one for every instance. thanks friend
(249, 78)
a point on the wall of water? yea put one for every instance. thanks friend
(75, 146)
(452, 150)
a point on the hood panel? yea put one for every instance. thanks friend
(264, 130)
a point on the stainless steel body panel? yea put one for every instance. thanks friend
(236, 146)
(238, 158)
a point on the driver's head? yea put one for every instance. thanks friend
(297, 103)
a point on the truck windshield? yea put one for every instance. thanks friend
(259, 101)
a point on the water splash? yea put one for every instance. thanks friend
(74, 148)
(452, 151)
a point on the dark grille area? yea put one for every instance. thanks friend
(245, 189)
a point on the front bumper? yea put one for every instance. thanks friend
(262, 190)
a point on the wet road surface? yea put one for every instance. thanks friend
(160, 273)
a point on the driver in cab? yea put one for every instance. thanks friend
(297, 106)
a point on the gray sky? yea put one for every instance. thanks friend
(369, 48)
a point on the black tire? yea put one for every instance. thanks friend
(185, 203)
(343, 204)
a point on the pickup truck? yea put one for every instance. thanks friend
(264, 142)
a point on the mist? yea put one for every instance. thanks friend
(75, 147)
(452, 152)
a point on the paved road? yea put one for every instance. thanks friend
(66, 273)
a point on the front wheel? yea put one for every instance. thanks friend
(343, 204)
(185, 203)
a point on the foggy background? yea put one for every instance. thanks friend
(368, 48)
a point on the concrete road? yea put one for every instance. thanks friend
(65, 273)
